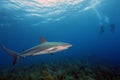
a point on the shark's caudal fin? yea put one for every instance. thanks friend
(12, 53)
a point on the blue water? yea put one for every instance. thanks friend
(22, 23)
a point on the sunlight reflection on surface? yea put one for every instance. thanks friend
(48, 9)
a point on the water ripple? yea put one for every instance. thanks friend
(46, 9)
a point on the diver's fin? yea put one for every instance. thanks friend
(12, 53)
(42, 40)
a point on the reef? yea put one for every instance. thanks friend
(62, 70)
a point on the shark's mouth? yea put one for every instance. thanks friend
(49, 10)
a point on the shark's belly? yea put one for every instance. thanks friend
(46, 51)
(35, 52)
(40, 51)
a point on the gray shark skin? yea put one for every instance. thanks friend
(44, 48)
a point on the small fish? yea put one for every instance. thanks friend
(44, 48)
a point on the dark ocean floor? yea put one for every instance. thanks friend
(61, 70)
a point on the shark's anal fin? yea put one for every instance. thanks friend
(42, 40)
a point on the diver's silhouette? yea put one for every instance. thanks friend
(112, 27)
(102, 29)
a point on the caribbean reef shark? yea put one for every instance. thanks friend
(44, 48)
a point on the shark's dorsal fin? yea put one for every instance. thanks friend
(42, 40)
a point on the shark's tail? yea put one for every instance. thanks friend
(12, 53)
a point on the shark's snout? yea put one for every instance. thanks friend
(67, 45)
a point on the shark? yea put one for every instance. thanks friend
(44, 47)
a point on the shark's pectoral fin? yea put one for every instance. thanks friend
(23, 50)
(52, 53)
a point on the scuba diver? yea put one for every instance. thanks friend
(112, 27)
(102, 29)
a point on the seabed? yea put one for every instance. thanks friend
(61, 70)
